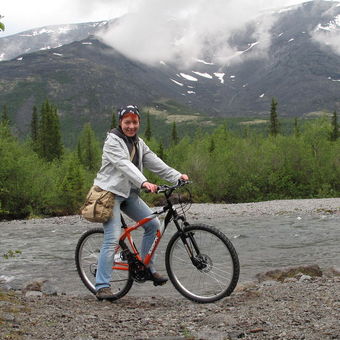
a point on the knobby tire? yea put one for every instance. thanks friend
(86, 257)
(217, 272)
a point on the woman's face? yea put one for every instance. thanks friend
(130, 124)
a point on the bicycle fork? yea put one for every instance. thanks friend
(191, 245)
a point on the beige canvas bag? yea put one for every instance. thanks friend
(98, 205)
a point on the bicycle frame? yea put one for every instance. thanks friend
(171, 213)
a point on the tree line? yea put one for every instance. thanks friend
(41, 177)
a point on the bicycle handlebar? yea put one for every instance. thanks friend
(164, 188)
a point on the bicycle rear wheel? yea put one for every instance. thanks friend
(214, 270)
(86, 256)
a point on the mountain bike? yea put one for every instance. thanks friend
(200, 260)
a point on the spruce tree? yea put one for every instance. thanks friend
(297, 132)
(160, 151)
(72, 187)
(49, 144)
(34, 128)
(335, 127)
(274, 122)
(174, 136)
(4, 115)
(88, 148)
(211, 145)
(148, 133)
(2, 26)
(113, 120)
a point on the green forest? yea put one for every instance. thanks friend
(39, 176)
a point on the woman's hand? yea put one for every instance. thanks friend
(150, 186)
(184, 177)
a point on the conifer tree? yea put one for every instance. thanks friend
(148, 133)
(160, 151)
(274, 122)
(297, 132)
(2, 26)
(49, 136)
(4, 115)
(34, 128)
(211, 145)
(72, 187)
(335, 127)
(113, 120)
(88, 148)
(174, 136)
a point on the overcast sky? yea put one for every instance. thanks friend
(170, 31)
(20, 15)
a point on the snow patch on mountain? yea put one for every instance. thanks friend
(205, 75)
(188, 77)
(330, 26)
(176, 82)
(220, 76)
(328, 34)
(204, 62)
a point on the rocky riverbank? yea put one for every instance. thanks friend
(299, 306)
(299, 303)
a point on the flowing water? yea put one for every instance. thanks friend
(263, 243)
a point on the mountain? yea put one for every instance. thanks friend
(86, 79)
(45, 38)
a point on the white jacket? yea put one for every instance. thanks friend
(117, 173)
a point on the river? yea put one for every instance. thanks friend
(263, 243)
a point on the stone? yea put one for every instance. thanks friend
(283, 273)
(305, 278)
(33, 293)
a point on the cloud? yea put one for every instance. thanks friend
(329, 33)
(182, 31)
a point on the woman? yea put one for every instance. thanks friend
(124, 156)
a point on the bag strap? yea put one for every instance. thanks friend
(133, 152)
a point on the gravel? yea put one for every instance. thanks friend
(307, 308)
(299, 306)
(278, 207)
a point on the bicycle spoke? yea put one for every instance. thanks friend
(87, 253)
(213, 271)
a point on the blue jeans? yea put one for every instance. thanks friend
(136, 209)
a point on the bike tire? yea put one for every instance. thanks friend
(220, 268)
(86, 257)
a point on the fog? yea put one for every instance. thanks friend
(180, 31)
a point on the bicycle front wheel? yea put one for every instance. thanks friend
(86, 256)
(211, 273)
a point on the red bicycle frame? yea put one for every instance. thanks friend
(127, 235)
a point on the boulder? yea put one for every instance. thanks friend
(289, 272)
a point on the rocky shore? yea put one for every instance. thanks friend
(287, 303)
(301, 306)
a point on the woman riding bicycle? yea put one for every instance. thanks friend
(124, 156)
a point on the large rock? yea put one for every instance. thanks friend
(40, 285)
(289, 272)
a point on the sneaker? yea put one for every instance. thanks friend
(157, 279)
(105, 294)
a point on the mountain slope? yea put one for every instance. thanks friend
(87, 79)
(45, 38)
